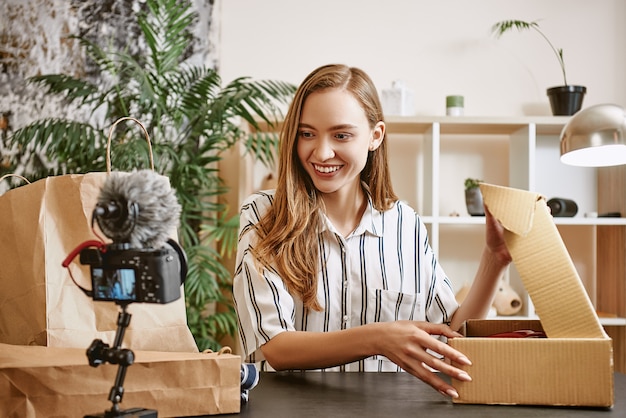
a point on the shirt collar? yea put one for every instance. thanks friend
(371, 222)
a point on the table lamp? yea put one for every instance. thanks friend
(595, 137)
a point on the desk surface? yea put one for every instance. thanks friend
(333, 394)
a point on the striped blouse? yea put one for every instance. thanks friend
(383, 271)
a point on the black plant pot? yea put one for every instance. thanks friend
(566, 100)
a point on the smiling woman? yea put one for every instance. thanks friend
(333, 271)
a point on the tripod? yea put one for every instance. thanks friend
(99, 352)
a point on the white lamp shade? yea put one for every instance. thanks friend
(595, 137)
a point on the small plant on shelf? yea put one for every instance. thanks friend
(473, 197)
(471, 183)
(566, 99)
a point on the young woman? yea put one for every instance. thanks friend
(332, 269)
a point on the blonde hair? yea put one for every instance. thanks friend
(289, 230)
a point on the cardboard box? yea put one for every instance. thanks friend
(574, 365)
(40, 381)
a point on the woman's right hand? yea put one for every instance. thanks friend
(406, 344)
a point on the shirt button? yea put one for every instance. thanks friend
(345, 282)
(345, 318)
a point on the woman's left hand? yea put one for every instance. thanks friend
(495, 238)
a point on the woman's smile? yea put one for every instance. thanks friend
(326, 169)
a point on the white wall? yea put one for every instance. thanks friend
(437, 47)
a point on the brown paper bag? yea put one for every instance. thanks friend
(55, 382)
(40, 224)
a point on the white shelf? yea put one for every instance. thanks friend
(617, 322)
(432, 156)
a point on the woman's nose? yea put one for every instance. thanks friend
(324, 150)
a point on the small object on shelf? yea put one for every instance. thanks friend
(562, 208)
(610, 215)
(398, 100)
(473, 197)
(454, 105)
(506, 301)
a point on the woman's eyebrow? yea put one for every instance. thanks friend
(332, 128)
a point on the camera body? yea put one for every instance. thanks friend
(126, 275)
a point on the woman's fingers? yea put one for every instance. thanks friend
(424, 373)
(433, 357)
(413, 346)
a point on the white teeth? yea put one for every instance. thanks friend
(326, 169)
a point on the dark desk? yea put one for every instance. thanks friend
(333, 394)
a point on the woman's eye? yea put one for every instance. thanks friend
(305, 134)
(342, 136)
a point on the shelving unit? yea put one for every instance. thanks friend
(431, 157)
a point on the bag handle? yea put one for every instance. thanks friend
(14, 175)
(143, 128)
(224, 350)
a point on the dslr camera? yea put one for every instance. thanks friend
(136, 275)
(142, 264)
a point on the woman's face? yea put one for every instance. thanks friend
(334, 138)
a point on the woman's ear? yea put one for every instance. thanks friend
(378, 134)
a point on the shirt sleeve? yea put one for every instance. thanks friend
(264, 306)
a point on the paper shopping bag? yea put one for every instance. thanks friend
(58, 382)
(41, 223)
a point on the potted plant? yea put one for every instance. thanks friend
(566, 99)
(473, 197)
(191, 119)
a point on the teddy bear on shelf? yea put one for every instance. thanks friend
(506, 301)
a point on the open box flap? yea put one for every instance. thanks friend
(543, 263)
(514, 208)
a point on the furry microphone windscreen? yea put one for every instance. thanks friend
(141, 209)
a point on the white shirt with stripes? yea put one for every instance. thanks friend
(383, 271)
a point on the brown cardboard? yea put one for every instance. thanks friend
(574, 364)
(40, 381)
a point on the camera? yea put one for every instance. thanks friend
(136, 275)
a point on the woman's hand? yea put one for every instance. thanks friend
(495, 238)
(411, 345)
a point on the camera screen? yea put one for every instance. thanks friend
(115, 284)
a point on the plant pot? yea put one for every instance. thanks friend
(566, 100)
(474, 202)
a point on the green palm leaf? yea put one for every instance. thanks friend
(191, 119)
